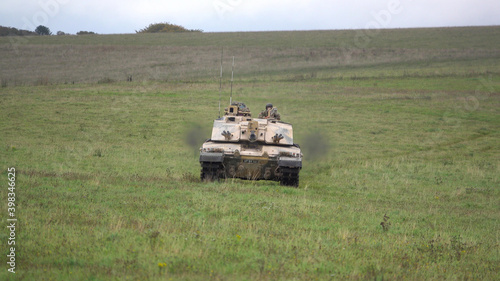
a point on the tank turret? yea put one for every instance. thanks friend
(250, 148)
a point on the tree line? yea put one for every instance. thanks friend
(40, 30)
(6, 31)
(43, 30)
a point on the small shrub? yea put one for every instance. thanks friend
(153, 239)
(85, 33)
(386, 224)
(98, 152)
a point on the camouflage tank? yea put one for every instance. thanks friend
(250, 148)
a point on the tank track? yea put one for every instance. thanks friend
(212, 171)
(289, 176)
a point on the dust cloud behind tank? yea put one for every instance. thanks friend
(250, 148)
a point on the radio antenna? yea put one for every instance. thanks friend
(232, 71)
(220, 79)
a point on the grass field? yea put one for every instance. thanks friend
(401, 156)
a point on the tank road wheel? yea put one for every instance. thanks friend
(289, 176)
(211, 171)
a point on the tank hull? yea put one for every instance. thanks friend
(251, 162)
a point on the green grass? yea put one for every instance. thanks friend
(108, 176)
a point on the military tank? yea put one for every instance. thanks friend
(250, 148)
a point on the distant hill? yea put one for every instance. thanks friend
(6, 31)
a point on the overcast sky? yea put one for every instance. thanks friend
(127, 16)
